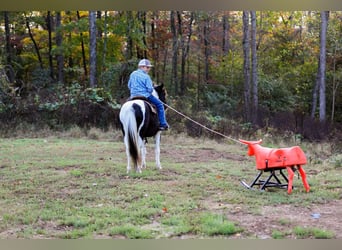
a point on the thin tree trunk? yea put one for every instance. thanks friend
(255, 100)
(322, 66)
(185, 51)
(59, 55)
(142, 53)
(99, 28)
(225, 39)
(246, 65)
(315, 95)
(83, 49)
(92, 48)
(335, 84)
(49, 27)
(206, 41)
(174, 75)
(129, 47)
(10, 73)
(105, 40)
(154, 46)
(34, 43)
(70, 60)
(180, 35)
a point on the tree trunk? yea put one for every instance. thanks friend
(206, 41)
(59, 54)
(174, 75)
(105, 40)
(185, 44)
(142, 53)
(225, 39)
(154, 45)
(322, 65)
(83, 49)
(69, 40)
(34, 43)
(246, 65)
(315, 94)
(129, 46)
(335, 82)
(255, 100)
(10, 73)
(49, 28)
(92, 48)
(99, 27)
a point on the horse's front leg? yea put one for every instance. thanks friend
(157, 149)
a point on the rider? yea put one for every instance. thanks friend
(140, 84)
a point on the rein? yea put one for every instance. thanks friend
(201, 125)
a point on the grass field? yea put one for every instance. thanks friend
(70, 186)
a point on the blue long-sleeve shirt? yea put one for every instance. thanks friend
(140, 84)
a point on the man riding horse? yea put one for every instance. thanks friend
(139, 119)
(140, 85)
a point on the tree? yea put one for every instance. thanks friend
(335, 45)
(207, 46)
(36, 47)
(185, 47)
(174, 74)
(10, 73)
(84, 60)
(59, 54)
(92, 49)
(225, 39)
(255, 100)
(246, 65)
(320, 83)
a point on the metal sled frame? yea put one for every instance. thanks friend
(272, 180)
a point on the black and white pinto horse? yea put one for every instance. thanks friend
(139, 120)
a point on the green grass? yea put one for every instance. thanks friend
(216, 224)
(70, 188)
(278, 235)
(315, 233)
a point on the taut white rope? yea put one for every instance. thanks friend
(201, 125)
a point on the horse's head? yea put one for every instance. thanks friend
(161, 92)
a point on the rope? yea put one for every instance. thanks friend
(201, 125)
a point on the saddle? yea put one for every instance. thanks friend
(143, 98)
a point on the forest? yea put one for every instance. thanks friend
(233, 71)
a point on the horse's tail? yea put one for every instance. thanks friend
(131, 131)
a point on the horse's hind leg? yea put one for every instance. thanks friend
(140, 157)
(157, 149)
(127, 154)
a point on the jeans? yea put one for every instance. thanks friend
(160, 109)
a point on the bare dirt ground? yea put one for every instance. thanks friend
(282, 218)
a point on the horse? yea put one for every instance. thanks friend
(139, 120)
